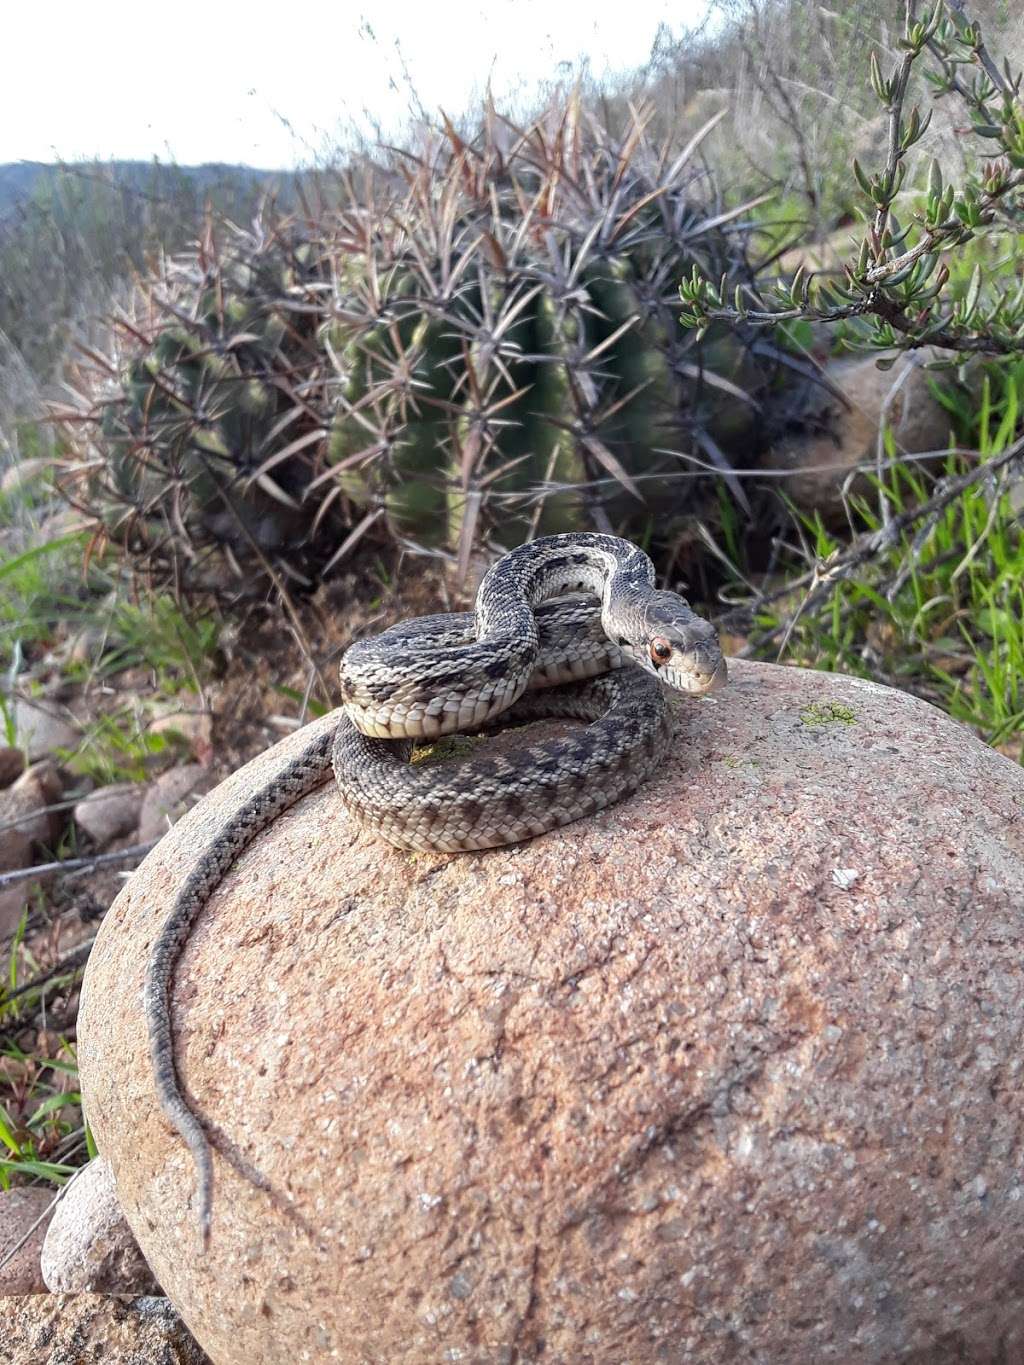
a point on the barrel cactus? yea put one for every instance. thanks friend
(202, 429)
(480, 345)
(505, 340)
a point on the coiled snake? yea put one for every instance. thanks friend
(504, 664)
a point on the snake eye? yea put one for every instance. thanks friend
(661, 650)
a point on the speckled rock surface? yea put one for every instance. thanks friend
(89, 1248)
(93, 1329)
(20, 1209)
(732, 1072)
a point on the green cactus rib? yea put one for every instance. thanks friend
(566, 380)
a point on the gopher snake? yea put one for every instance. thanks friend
(442, 674)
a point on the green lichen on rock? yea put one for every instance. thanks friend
(448, 746)
(828, 713)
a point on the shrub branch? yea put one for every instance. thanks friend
(898, 280)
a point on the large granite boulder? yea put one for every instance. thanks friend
(732, 1071)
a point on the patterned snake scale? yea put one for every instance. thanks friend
(518, 657)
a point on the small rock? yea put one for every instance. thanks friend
(834, 438)
(89, 1248)
(39, 786)
(110, 812)
(95, 1329)
(19, 1209)
(167, 799)
(12, 764)
(24, 802)
(41, 730)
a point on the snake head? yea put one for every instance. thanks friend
(678, 646)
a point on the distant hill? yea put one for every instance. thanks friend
(21, 181)
(72, 233)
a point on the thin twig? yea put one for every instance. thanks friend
(894, 153)
(984, 57)
(24, 874)
(27, 816)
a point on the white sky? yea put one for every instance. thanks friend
(275, 85)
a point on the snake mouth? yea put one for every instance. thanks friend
(702, 675)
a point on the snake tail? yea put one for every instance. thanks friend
(303, 774)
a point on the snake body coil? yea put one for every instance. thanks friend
(441, 674)
(519, 657)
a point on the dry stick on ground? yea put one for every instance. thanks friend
(24, 874)
(26, 817)
(71, 967)
(65, 977)
(70, 962)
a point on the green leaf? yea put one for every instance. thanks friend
(862, 179)
(7, 1133)
(973, 293)
(877, 83)
(53, 1104)
(52, 1171)
(797, 333)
